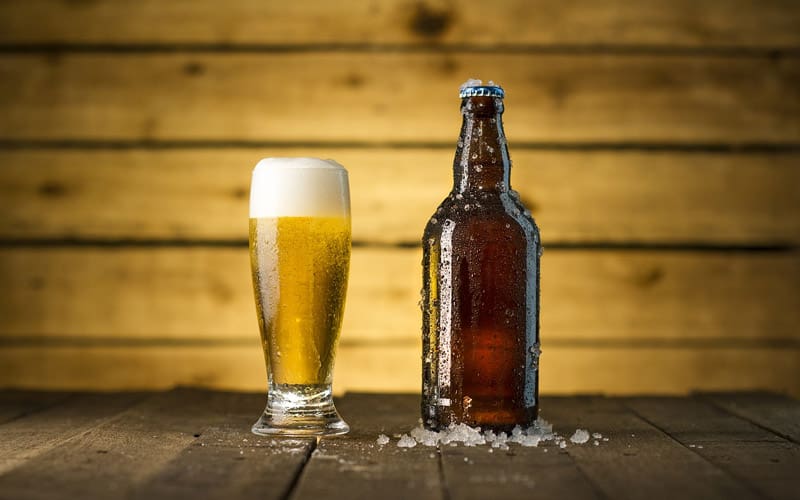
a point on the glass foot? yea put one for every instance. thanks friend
(300, 410)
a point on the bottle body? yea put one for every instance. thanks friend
(481, 294)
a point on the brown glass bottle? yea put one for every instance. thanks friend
(480, 302)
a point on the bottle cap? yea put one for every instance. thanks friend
(481, 91)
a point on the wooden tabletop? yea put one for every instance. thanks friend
(190, 443)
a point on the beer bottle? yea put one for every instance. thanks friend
(480, 297)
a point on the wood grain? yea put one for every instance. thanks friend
(744, 450)
(740, 23)
(120, 456)
(639, 461)
(396, 96)
(565, 370)
(779, 414)
(576, 197)
(175, 294)
(18, 404)
(521, 473)
(355, 466)
(227, 461)
(24, 439)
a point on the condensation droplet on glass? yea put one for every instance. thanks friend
(460, 144)
(459, 196)
(474, 156)
(467, 207)
(434, 221)
(431, 241)
(479, 168)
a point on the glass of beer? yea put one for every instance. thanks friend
(300, 258)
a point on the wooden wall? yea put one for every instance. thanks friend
(657, 144)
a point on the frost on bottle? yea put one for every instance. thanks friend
(480, 303)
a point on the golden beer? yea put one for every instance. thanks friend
(300, 258)
(300, 267)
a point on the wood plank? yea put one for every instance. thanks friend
(523, 473)
(356, 97)
(639, 461)
(17, 404)
(576, 196)
(228, 462)
(119, 456)
(775, 412)
(355, 466)
(23, 440)
(542, 472)
(180, 294)
(565, 369)
(740, 23)
(767, 463)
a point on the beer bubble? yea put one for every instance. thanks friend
(459, 196)
(479, 168)
(474, 156)
(434, 220)
(467, 207)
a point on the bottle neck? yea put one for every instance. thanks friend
(482, 162)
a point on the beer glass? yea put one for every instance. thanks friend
(300, 258)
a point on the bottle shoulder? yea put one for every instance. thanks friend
(483, 214)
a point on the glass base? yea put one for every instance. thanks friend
(300, 410)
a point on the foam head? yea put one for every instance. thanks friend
(299, 187)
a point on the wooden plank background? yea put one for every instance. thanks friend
(657, 144)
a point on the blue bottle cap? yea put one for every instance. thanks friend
(482, 91)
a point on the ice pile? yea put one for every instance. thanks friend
(540, 431)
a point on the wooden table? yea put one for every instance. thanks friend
(191, 443)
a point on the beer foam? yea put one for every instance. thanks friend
(299, 187)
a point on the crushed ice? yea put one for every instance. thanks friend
(406, 441)
(581, 436)
(541, 431)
